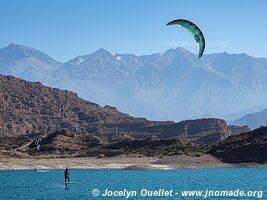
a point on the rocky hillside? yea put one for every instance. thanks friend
(34, 110)
(64, 143)
(250, 147)
(243, 148)
(239, 129)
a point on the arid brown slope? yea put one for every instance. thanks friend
(65, 143)
(32, 109)
(243, 148)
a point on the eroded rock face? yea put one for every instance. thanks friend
(29, 108)
(243, 148)
(66, 141)
(62, 143)
(239, 129)
(14, 147)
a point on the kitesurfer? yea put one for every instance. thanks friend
(66, 175)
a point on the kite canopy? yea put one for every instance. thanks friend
(194, 30)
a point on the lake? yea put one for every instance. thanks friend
(135, 184)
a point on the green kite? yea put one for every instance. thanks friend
(193, 30)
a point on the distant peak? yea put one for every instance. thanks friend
(177, 50)
(12, 45)
(225, 53)
(102, 51)
(234, 54)
(18, 46)
(21, 49)
(183, 50)
(244, 54)
(17, 51)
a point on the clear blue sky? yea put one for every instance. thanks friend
(65, 29)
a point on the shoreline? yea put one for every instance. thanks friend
(122, 162)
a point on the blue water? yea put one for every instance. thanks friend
(48, 185)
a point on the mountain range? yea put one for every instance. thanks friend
(253, 120)
(174, 85)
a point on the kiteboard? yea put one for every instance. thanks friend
(68, 182)
(42, 171)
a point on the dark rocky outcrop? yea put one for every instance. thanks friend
(65, 143)
(158, 147)
(243, 148)
(14, 147)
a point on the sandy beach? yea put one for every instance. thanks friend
(120, 162)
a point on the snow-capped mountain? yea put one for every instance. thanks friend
(175, 85)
